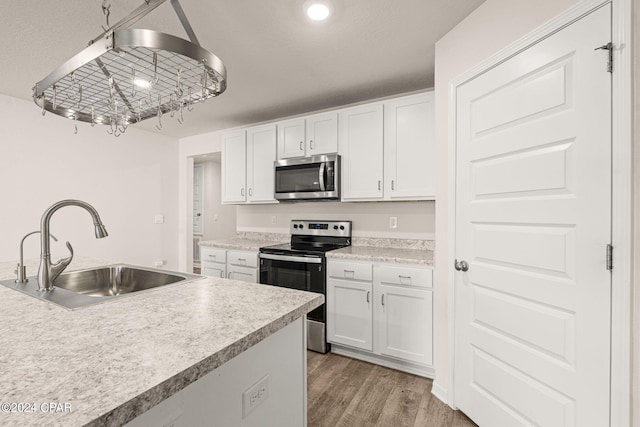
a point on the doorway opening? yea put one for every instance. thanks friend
(211, 219)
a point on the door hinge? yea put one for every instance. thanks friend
(609, 48)
(609, 257)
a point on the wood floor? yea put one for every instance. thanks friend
(345, 392)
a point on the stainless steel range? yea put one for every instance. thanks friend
(301, 264)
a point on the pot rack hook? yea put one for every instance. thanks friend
(190, 102)
(106, 11)
(180, 117)
(133, 81)
(159, 125)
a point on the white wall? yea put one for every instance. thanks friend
(490, 28)
(219, 220)
(127, 179)
(370, 219)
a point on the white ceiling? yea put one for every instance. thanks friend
(278, 62)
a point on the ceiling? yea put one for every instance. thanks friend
(279, 63)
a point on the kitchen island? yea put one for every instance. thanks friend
(110, 363)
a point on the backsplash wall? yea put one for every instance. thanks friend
(416, 220)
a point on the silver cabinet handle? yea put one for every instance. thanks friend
(251, 192)
(311, 144)
(404, 277)
(461, 265)
(229, 275)
(212, 256)
(222, 274)
(383, 299)
(301, 145)
(379, 183)
(368, 295)
(242, 192)
(393, 185)
(242, 259)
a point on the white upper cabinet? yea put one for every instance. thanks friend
(322, 134)
(247, 165)
(409, 148)
(291, 139)
(234, 167)
(261, 153)
(308, 136)
(388, 150)
(361, 147)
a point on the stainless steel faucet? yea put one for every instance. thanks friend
(47, 272)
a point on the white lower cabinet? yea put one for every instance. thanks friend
(349, 319)
(383, 311)
(232, 264)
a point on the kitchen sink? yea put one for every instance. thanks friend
(81, 288)
(114, 280)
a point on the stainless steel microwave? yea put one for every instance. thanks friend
(308, 178)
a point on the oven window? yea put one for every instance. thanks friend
(298, 179)
(295, 275)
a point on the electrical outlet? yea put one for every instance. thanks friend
(158, 263)
(274, 219)
(159, 219)
(393, 222)
(255, 395)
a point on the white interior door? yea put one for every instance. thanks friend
(198, 186)
(533, 204)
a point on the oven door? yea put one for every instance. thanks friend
(306, 273)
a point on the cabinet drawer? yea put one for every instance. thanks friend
(207, 253)
(350, 270)
(401, 275)
(243, 258)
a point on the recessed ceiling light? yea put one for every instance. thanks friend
(318, 11)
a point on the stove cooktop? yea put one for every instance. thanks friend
(314, 238)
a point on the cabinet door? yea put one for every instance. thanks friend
(214, 270)
(234, 165)
(291, 139)
(404, 323)
(244, 274)
(361, 136)
(410, 168)
(349, 313)
(261, 153)
(322, 134)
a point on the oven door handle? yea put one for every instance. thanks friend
(306, 260)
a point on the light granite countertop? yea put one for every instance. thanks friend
(113, 361)
(239, 243)
(384, 254)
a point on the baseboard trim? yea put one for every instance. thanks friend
(388, 362)
(440, 392)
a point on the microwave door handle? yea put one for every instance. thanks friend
(321, 173)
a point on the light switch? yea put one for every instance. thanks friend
(159, 219)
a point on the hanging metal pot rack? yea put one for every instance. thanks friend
(128, 75)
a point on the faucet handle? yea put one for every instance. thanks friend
(59, 266)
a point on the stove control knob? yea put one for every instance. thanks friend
(301, 226)
(335, 227)
(342, 227)
(295, 225)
